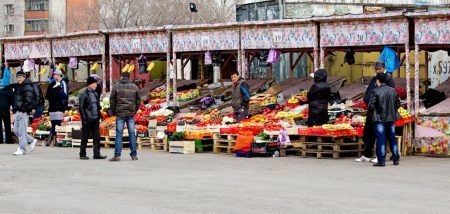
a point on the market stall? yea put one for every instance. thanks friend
(262, 44)
(142, 52)
(431, 33)
(211, 50)
(365, 33)
(32, 51)
(79, 55)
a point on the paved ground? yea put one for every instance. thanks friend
(53, 180)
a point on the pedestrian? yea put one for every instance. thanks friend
(6, 101)
(89, 108)
(124, 103)
(240, 96)
(58, 97)
(383, 105)
(368, 131)
(318, 97)
(23, 108)
(99, 89)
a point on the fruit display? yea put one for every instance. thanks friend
(403, 112)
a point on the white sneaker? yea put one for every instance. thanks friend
(375, 160)
(33, 145)
(362, 159)
(19, 152)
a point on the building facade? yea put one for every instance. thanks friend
(37, 17)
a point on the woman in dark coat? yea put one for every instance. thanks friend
(318, 97)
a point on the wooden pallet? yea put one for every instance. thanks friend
(154, 143)
(110, 141)
(334, 146)
(223, 143)
(295, 147)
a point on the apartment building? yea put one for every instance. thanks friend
(37, 17)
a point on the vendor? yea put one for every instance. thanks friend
(318, 97)
(240, 96)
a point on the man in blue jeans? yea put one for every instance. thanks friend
(383, 107)
(124, 103)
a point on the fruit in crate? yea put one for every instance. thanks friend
(293, 100)
(403, 112)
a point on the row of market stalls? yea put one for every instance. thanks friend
(235, 46)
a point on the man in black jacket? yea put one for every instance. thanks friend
(383, 106)
(368, 133)
(90, 117)
(23, 106)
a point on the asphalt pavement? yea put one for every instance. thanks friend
(54, 180)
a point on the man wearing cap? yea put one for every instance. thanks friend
(89, 108)
(58, 97)
(125, 101)
(368, 133)
(23, 107)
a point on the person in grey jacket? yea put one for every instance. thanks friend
(89, 109)
(383, 107)
(124, 103)
(240, 96)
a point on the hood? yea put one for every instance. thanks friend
(320, 75)
(124, 80)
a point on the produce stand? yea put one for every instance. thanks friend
(432, 136)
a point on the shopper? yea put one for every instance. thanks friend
(383, 106)
(23, 107)
(57, 96)
(89, 108)
(318, 96)
(240, 96)
(124, 103)
(6, 101)
(368, 132)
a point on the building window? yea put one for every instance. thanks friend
(9, 9)
(36, 4)
(9, 29)
(36, 25)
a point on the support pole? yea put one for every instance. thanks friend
(408, 77)
(416, 80)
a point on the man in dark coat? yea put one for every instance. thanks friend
(240, 96)
(89, 109)
(125, 101)
(58, 98)
(368, 133)
(318, 97)
(383, 106)
(6, 100)
(23, 107)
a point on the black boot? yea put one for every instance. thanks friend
(49, 139)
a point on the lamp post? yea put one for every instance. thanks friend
(193, 9)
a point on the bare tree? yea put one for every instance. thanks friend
(144, 13)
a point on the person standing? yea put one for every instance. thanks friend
(124, 103)
(89, 109)
(57, 96)
(368, 132)
(383, 106)
(240, 96)
(6, 101)
(318, 96)
(23, 107)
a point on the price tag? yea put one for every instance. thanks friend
(277, 36)
(280, 98)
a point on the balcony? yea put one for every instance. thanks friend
(36, 14)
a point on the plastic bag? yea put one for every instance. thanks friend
(244, 141)
(283, 138)
(208, 58)
(390, 59)
(73, 62)
(274, 56)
